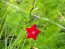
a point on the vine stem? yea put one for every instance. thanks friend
(33, 3)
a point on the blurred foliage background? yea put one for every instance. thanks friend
(16, 15)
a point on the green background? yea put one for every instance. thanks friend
(16, 15)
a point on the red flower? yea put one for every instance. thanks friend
(32, 32)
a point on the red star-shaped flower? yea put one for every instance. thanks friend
(32, 32)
